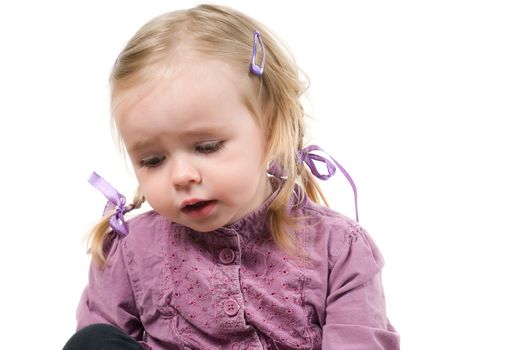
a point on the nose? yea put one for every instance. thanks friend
(184, 173)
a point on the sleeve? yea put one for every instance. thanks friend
(355, 305)
(109, 297)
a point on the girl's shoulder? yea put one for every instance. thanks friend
(335, 235)
(146, 222)
(327, 220)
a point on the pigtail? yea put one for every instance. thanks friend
(281, 223)
(311, 186)
(100, 235)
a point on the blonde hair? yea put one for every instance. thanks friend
(226, 34)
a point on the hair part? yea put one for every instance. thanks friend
(225, 34)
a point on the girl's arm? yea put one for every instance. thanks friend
(109, 296)
(355, 305)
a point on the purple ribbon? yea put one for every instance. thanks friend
(307, 156)
(115, 201)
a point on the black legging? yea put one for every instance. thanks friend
(101, 337)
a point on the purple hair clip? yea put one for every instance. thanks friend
(307, 156)
(257, 69)
(115, 201)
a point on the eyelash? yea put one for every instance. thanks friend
(209, 147)
(204, 148)
(151, 162)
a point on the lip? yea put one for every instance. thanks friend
(191, 201)
(199, 212)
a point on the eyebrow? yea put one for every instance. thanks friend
(203, 132)
(189, 134)
(140, 144)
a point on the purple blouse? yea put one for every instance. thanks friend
(234, 289)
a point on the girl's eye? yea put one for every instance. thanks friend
(151, 162)
(209, 147)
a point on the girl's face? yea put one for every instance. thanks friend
(195, 147)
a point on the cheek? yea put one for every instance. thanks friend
(247, 155)
(237, 173)
(242, 178)
(241, 166)
(151, 187)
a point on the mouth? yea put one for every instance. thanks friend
(199, 208)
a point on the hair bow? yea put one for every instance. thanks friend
(115, 201)
(309, 157)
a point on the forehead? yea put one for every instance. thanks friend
(193, 71)
(192, 96)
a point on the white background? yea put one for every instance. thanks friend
(423, 102)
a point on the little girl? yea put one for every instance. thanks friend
(236, 253)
